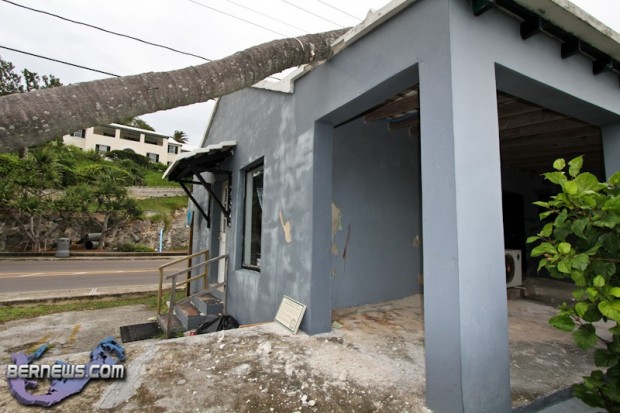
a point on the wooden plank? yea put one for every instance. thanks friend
(396, 107)
(530, 118)
(504, 98)
(577, 133)
(515, 108)
(542, 128)
(410, 123)
(542, 151)
(527, 144)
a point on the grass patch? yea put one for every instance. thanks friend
(153, 178)
(164, 205)
(23, 311)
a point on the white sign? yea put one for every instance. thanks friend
(290, 313)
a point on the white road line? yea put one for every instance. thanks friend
(78, 273)
(93, 291)
(30, 275)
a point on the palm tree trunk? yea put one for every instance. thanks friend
(32, 118)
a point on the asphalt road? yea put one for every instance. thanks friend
(49, 275)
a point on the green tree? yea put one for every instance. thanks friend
(179, 136)
(32, 195)
(581, 241)
(12, 82)
(136, 122)
(103, 197)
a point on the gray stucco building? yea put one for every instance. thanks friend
(407, 163)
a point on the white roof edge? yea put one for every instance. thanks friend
(195, 152)
(574, 20)
(145, 131)
(373, 20)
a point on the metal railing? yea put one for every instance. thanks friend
(175, 284)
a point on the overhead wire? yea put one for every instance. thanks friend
(237, 17)
(268, 16)
(58, 61)
(106, 30)
(337, 9)
(309, 12)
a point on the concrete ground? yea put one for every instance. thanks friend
(373, 360)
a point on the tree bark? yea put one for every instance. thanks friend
(32, 118)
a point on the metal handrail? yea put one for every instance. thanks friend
(188, 259)
(173, 276)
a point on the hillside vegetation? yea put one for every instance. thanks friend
(48, 189)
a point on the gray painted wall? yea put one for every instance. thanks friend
(376, 202)
(459, 61)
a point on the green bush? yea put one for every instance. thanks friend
(581, 241)
(132, 156)
(129, 247)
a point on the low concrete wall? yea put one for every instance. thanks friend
(142, 192)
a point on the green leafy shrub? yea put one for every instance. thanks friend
(129, 247)
(581, 241)
(132, 156)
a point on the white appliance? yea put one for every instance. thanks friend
(514, 276)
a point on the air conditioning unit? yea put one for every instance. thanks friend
(514, 277)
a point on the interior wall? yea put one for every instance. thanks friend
(376, 225)
(528, 186)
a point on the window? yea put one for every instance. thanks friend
(173, 149)
(252, 225)
(105, 131)
(153, 157)
(78, 134)
(102, 148)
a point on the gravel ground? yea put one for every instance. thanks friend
(372, 361)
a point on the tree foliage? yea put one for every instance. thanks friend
(136, 122)
(31, 192)
(13, 82)
(179, 136)
(103, 197)
(581, 241)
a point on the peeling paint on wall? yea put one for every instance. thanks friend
(286, 227)
(417, 241)
(336, 226)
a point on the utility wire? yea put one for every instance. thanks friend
(58, 61)
(236, 17)
(268, 16)
(309, 12)
(337, 9)
(107, 31)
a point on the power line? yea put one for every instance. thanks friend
(309, 12)
(236, 17)
(340, 10)
(58, 61)
(107, 31)
(268, 16)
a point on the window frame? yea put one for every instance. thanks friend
(99, 148)
(248, 261)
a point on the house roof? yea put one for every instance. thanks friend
(145, 131)
(561, 14)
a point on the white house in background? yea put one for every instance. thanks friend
(155, 146)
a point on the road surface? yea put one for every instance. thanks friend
(49, 275)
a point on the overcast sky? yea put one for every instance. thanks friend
(191, 26)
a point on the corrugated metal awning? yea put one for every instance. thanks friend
(201, 160)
